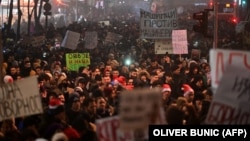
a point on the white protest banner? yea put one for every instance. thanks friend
(231, 102)
(90, 40)
(106, 23)
(157, 26)
(21, 98)
(164, 45)
(71, 40)
(113, 37)
(139, 108)
(108, 129)
(220, 59)
(179, 42)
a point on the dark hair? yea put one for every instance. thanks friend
(174, 115)
(88, 101)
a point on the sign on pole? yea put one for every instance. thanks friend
(20, 98)
(157, 26)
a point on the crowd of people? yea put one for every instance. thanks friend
(74, 100)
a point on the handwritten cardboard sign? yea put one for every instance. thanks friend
(71, 40)
(108, 129)
(113, 37)
(163, 46)
(179, 42)
(90, 40)
(220, 59)
(76, 60)
(231, 103)
(21, 98)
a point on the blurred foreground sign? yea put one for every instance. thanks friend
(108, 129)
(20, 98)
(139, 108)
(231, 103)
(220, 59)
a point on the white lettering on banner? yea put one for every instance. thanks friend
(108, 129)
(219, 59)
(20, 98)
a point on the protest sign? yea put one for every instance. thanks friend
(71, 40)
(163, 46)
(231, 103)
(20, 98)
(76, 60)
(219, 59)
(108, 129)
(37, 41)
(106, 23)
(179, 42)
(157, 26)
(90, 40)
(139, 108)
(113, 37)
